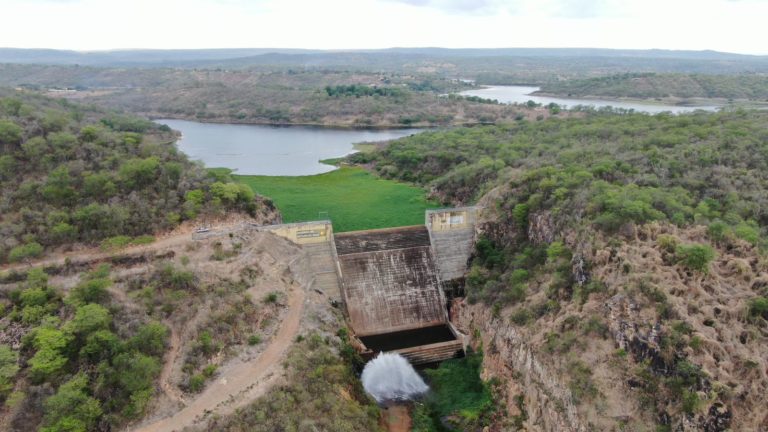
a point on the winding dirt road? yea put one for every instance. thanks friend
(239, 383)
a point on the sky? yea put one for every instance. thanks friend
(724, 25)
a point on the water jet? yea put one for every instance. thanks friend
(390, 378)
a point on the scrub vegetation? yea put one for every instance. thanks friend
(322, 393)
(283, 96)
(90, 363)
(702, 168)
(660, 86)
(661, 216)
(71, 173)
(458, 398)
(353, 198)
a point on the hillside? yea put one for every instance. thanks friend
(660, 86)
(72, 174)
(118, 330)
(618, 282)
(280, 96)
(142, 339)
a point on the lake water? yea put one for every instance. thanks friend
(272, 150)
(522, 94)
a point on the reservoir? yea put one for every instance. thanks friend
(522, 94)
(272, 150)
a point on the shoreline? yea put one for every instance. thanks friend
(694, 102)
(673, 102)
(678, 102)
(571, 101)
(337, 126)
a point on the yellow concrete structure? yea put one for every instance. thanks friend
(449, 219)
(304, 233)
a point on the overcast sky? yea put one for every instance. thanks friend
(724, 25)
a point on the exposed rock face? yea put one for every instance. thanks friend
(638, 279)
(507, 356)
(579, 270)
(11, 333)
(267, 213)
(541, 227)
(626, 327)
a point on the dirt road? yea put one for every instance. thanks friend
(178, 237)
(239, 383)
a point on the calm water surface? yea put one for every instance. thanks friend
(272, 150)
(522, 94)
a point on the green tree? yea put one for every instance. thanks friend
(59, 186)
(133, 373)
(99, 185)
(101, 345)
(71, 408)
(150, 339)
(92, 290)
(8, 367)
(24, 252)
(54, 121)
(49, 359)
(88, 319)
(10, 133)
(695, 257)
(138, 173)
(193, 202)
(34, 148)
(63, 232)
(758, 307)
(89, 133)
(7, 167)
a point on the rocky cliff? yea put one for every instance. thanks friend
(632, 339)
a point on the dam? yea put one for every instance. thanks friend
(390, 282)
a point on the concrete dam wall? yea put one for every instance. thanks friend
(390, 281)
(452, 235)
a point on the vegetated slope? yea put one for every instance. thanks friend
(623, 255)
(284, 96)
(321, 393)
(352, 198)
(651, 85)
(90, 344)
(71, 173)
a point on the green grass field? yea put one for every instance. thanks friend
(353, 198)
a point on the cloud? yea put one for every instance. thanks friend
(551, 8)
(344, 24)
(483, 7)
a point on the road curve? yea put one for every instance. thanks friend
(241, 382)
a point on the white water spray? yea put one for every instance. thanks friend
(389, 377)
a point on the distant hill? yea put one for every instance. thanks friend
(569, 52)
(651, 85)
(142, 57)
(496, 60)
